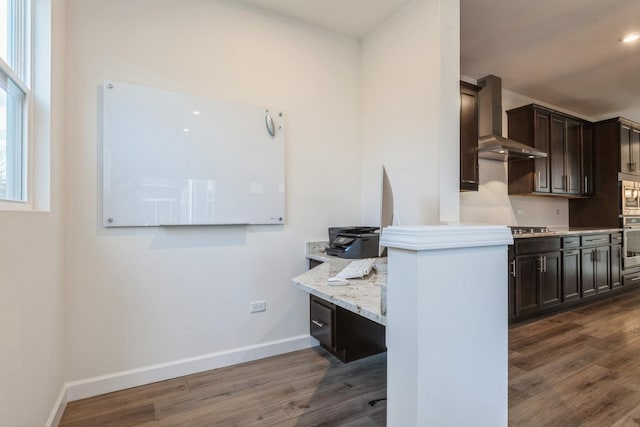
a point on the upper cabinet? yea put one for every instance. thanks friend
(629, 145)
(468, 137)
(567, 140)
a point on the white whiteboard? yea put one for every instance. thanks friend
(175, 159)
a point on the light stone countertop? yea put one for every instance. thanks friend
(366, 297)
(567, 231)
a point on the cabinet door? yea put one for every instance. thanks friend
(626, 162)
(571, 275)
(468, 138)
(602, 263)
(541, 142)
(616, 266)
(527, 291)
(587, 272)
(586, 152)
(634, 146)
(573, 162)
(321, 325)
(557, 140)
(550, 285)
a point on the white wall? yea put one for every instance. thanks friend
(491, 204)
(404, 95)
(142, 296)
(31, 285)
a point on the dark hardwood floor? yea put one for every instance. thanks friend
(578, 368)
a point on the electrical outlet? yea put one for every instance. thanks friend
(257, 306)
(557, 211)
(520, 211)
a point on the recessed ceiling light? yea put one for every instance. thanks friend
(630, 38)
(186, 129)
(532, 157)
(196, 113)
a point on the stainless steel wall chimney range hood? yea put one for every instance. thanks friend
(491, 144)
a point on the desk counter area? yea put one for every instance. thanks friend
(366, 297)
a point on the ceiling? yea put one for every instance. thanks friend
(354, 18)
(564, 53)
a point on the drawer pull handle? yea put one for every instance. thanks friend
(634, 279)
(321, 324)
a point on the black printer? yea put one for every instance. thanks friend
(354, 242)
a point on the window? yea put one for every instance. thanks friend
(14, 97)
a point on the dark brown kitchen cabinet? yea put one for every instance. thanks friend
(571, 275)
(537, 282)
(557, 157)
(469, 137)
(573, 161)
(616, 266)
(548, 274)
(527, 289)
(586, 151)
(567, 170)
(345, 334)
(551, 280)
(542, 175)
(596, 265)
(629, 148)
(616, 151)
(537, 275)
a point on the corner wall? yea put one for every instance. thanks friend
(143, 296)
(407, 92)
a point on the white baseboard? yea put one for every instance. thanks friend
(89, 387)
(58, 408)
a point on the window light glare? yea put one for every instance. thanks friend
(631, 37)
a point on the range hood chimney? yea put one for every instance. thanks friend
(491, 144)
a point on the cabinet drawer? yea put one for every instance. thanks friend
(631, 279)
(536, 245)
(321, 324)
(570, 242)
(595, 240)
(616, 238)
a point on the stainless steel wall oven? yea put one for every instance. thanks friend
(630, 195)
(631, 241)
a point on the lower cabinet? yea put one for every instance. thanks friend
(550, 273)
(571, 263)
(537, 282)
(596, 271)
(345, 334)
(616, 266)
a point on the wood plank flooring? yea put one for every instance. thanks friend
(579, 368)
(304, 388)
